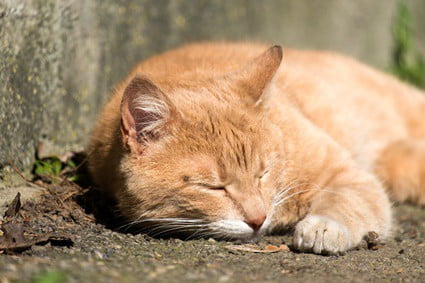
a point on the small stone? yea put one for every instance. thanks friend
(10, 267)
(2, 12)
(398, 239)
(117, 247)
(99, 255)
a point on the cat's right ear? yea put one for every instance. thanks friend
(257, 75)
(145, 113)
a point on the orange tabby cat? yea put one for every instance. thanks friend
(226, 140)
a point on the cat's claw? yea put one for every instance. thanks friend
(321, 235)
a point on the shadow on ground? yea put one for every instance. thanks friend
(101, 254)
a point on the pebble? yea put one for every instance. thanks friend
(10, 267)
(117, 247)
(99, 255)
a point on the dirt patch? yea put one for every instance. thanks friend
(99, 253)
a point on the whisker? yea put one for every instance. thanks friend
(292, 195)
(198, 233)
(164, 225)
(170, 220)
(206, 233)
(288, 189)
(311, 189)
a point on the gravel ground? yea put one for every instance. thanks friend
(100, 254)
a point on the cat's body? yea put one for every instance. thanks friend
(227, 141)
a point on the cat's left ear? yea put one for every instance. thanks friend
(146, 114)
(257, 75)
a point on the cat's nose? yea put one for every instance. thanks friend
(256, 222)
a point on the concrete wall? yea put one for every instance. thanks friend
(59, 59)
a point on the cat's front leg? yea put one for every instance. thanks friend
(321, 234)
(342, 213)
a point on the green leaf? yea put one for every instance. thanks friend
(407, 64)
(71, 164)
(56, 167)
(74, 178)
(50, 277)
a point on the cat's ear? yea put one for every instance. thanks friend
(145, 113)
(256, 76)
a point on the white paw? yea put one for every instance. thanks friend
(321, 235)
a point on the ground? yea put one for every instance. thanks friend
(101, 254)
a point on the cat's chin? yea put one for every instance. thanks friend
(235, 230)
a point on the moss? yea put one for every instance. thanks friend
(408, 64)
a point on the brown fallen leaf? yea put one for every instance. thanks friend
(14, 207)
(255, 249)
(284, 248)
(373, 241)
(9, 245)
(271, 248)
(14, 239)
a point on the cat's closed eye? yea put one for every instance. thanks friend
(211, 186)
(221, 188)
(263, 174)
(204, 185)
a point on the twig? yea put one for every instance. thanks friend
(34, 183)
(26, 179)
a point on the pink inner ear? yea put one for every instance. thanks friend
(144, 110)
(150, 114)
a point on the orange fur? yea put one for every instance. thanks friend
(229, 138)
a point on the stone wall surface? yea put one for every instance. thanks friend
(59, 59)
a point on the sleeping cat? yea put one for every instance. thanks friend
(236, 140)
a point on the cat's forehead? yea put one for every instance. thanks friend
(231, 143)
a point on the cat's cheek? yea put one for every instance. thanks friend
(232, 229)
(321, 235)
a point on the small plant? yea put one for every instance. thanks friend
(55, 171)
(50, 277)
(407, 63)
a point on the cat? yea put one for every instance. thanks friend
(234, 141)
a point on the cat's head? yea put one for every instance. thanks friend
(200, 155)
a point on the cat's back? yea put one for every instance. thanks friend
(361, 108)
(337, 93)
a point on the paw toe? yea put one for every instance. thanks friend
(321, 235)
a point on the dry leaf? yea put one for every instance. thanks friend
(373, 241)
(14, 207)
(271, 248)
(13, 238)
(284, 248)
(256, 249)
(11, 247)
